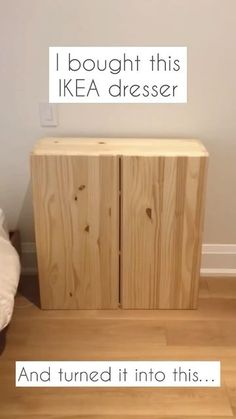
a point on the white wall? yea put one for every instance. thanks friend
(207, 27)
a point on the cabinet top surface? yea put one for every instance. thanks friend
(119, 146)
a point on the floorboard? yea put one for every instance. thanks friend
(208, 333)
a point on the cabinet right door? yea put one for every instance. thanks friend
(162, 206)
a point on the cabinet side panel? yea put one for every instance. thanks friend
(198, 225)
(76, 222)
(162, 212)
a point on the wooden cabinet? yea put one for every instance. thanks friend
(118, 221)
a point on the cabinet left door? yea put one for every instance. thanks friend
(76, 212)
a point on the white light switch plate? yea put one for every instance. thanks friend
(48, 114)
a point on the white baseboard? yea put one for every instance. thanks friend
(217, 259)
(218, 272)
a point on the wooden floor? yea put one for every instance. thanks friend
(208, 333)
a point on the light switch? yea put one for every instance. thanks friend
(48, 114)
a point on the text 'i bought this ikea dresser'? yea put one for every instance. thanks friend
(118, 222)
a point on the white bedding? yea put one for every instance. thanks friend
(9, 274)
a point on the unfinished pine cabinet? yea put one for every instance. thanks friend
(118, 222)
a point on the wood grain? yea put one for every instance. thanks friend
(76, 221)
(162, 221)
(119, 147)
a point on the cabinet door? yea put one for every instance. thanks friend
(162, 212)
(76, 204)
